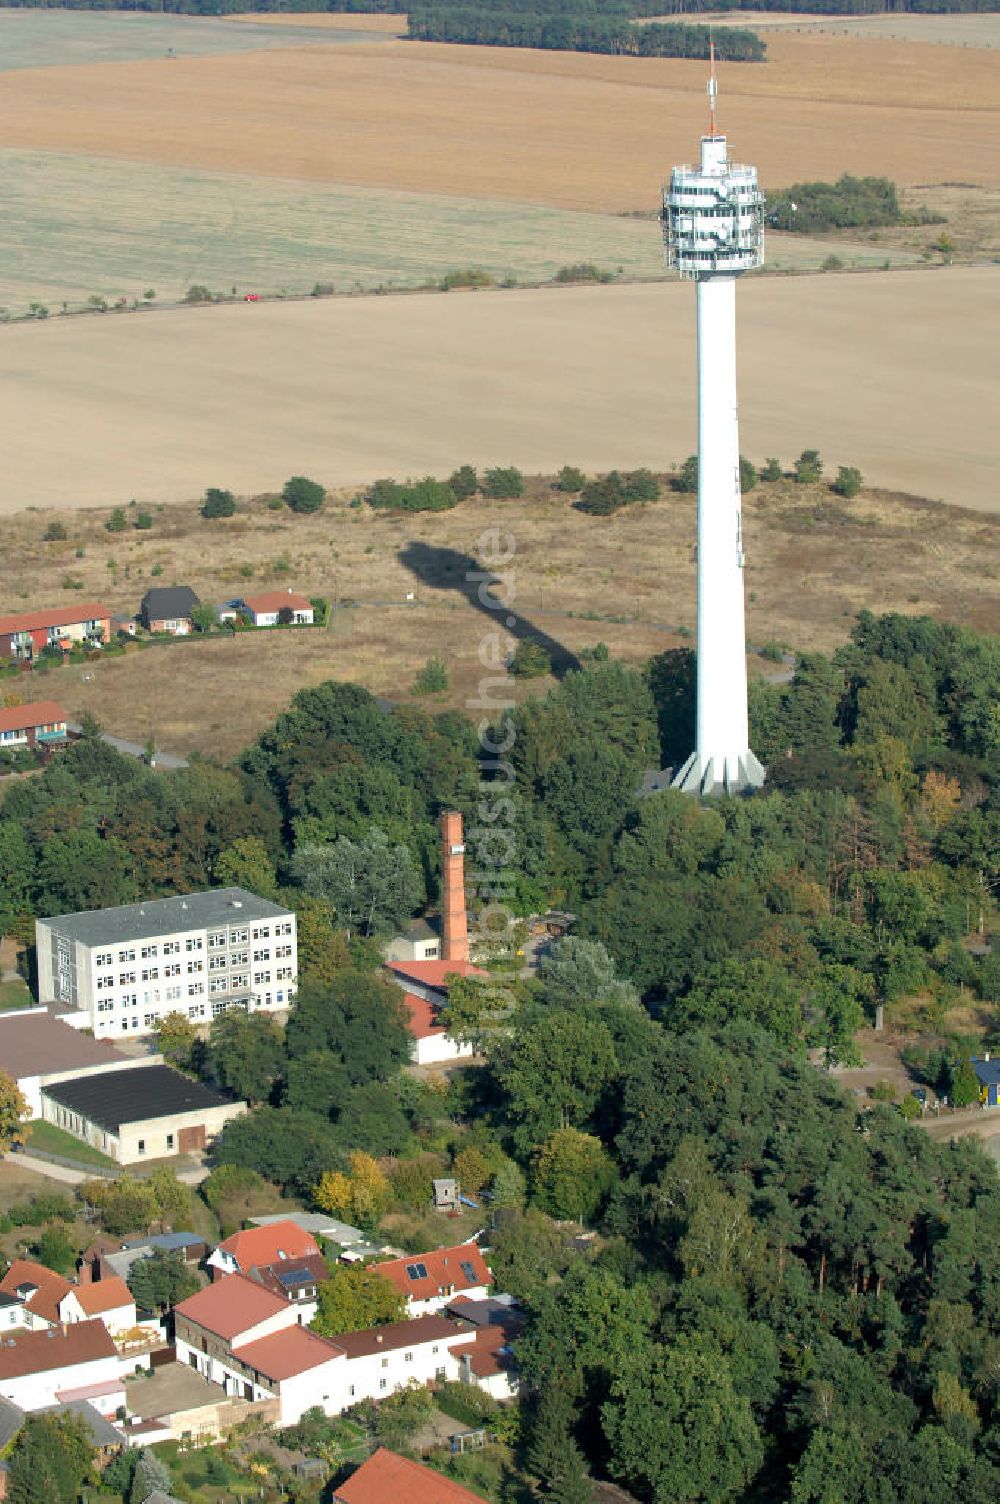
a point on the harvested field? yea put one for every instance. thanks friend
(580, 132)
(627, 580)
(75, 227)
(894, 373)
(57, 38)
(954, 30)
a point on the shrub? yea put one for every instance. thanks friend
(143, 521)
(583, 271)
(323, 290)
(427, 495)
(641, 485)
(117, 522)
(848, 482)
(686, 479)
(302, 495)
(808, 467)
(570, 480)
(832, 264)
(471, 277)
(771, 470)
(432, 678)
(530, 660)
(70, 582)
(198, 293)
(218, 503)
(503, 482)
(772, 651)
(54, 533)
(156, 570)
(748, 474)
(464, 482)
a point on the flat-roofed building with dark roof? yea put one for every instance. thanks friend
(133, 1115)
(197, 954)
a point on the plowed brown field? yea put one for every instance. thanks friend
(559, 128)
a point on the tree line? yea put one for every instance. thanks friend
(583, 31)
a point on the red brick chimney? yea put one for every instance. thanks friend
(454, 926)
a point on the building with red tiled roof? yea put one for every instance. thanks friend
(109, 1299)
(40, 724)
(261, 1247)
(234, 1308)
(386, 1478)
(272, 607)
(36, 1368)
(431, 1281)
(290, 1353)
(425, 993)
(26, 633)
(38, 1289)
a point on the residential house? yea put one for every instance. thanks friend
(387, 1478)
(123, 626)
(24, 635)
(318, 1223)
(39, 1292)
(47, 1299)
(196, 953)
(491, 1363)
(39, 1368)
(431, 1281)
(169, 608)
(42, 724)
(279, 1242)
(133, 1115)
(277, 607)
(108, 1258)
(240, 1335)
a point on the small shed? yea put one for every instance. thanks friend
(445, 1194)
(988, 1075)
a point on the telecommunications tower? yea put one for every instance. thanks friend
(713, 224)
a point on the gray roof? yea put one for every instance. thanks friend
(164, 602)
(102, 1432)
(314, 1222)
(133, 1096)
(166, 916)
(11, 1421)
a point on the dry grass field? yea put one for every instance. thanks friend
(628, 580)
(894, 373)
(953, 30)
(73, 227)
(579, 132)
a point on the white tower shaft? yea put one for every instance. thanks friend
(722, 756)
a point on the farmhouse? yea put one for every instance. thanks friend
(25, 635)
(124, 968)
(431, 1281)
(169, 608)
(277, 607)
(139, 1114)
(280, 1256)
(42, 724)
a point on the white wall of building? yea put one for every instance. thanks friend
(36, 1390)
(437, 1047)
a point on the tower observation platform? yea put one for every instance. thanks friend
(713, 226)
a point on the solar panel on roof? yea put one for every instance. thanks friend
(294, 1276)
(416, 1271)
(469, 1270)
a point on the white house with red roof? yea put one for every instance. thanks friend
(425, 993)
(262, 1247)
(431, 1281)
(41, 1368)
(273, 608)
(48, 1300)
(109, 1300)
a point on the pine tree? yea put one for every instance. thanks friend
(150, 1474)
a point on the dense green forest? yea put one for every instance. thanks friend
(787, 1300)
(583, 30)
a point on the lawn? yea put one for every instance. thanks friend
(53, 1140)
(13, 995)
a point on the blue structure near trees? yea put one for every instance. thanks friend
(988, 1075)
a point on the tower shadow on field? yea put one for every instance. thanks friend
(447, 569)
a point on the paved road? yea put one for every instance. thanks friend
(133, 749)
(44, 1167)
